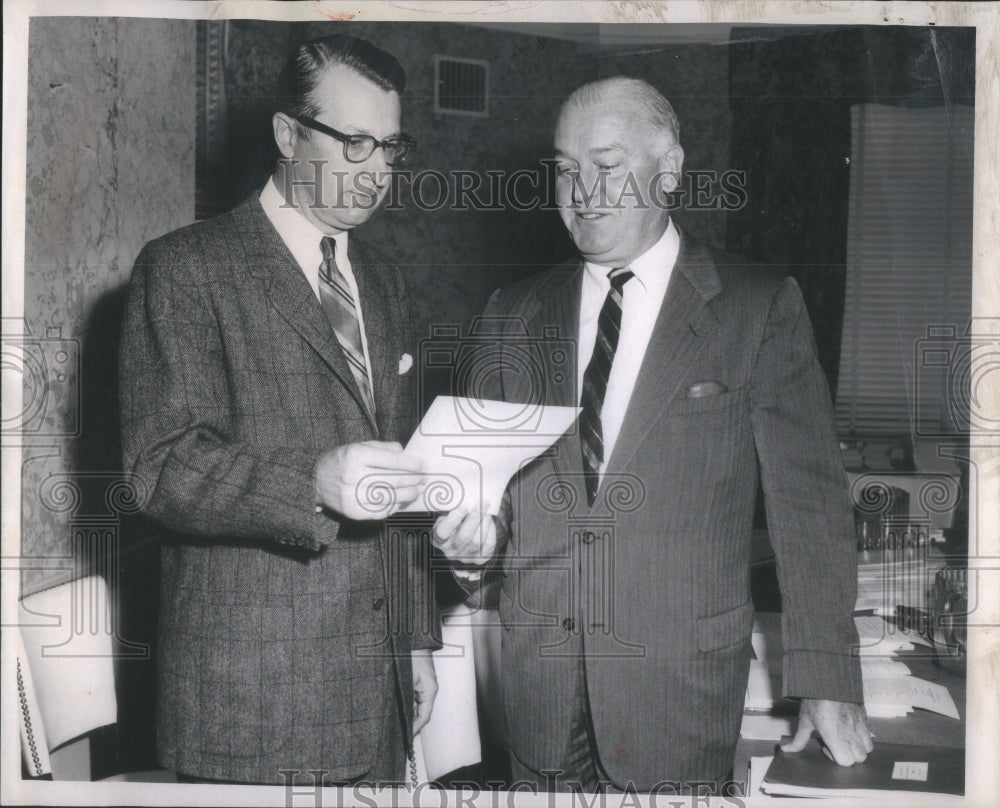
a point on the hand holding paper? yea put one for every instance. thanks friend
(471, 448)
(468, 537)
(368, 480)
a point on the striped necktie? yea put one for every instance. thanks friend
(341, 311)
(595, 382)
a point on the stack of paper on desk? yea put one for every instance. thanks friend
(891, 578)
(889, 689)
(878, 638)
(892, 696)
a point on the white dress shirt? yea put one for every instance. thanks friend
(642, 298)
(303, 238)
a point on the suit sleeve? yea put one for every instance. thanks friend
(176, 411)
(809, 512)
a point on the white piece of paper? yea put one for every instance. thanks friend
(887, 579)
(888, 711)
(889, 692)
(763, 687)
(755, 775)
(883, 667)
(450, 740)
(876, 633)
(765, 727)
(884, 649)
(471, 449)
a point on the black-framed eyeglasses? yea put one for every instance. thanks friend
(358, 148)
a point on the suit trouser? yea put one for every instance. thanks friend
(580, 769)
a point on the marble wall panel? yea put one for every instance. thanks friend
(110, 165)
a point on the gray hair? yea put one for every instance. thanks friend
(649, 104)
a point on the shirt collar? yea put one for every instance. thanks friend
(652, 269)
(300, 235)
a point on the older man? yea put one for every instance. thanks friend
(264, 385)
(625, 552)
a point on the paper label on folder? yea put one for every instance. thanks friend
(472, 447)
(904, 770)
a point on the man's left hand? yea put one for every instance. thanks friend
(466, 536)
(841, 726)
(425, 688)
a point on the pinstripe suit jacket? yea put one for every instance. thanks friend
(275, 646)
(652, 583)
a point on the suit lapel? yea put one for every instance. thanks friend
(289, 292)
(380, 332)
(682, 327)
(556, 322)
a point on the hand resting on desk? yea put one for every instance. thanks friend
(841, 726)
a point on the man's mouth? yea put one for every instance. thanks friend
(590, 216)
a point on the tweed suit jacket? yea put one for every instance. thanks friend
(650, 586)
(279, 631)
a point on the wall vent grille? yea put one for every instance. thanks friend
(461, 86)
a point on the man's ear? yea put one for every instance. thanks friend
(670, 168)
(285, 133)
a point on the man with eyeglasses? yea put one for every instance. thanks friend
(266, 386)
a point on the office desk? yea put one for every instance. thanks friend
(921, 727)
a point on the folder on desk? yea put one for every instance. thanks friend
(888, 768)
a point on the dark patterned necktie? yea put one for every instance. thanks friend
(341, 311)
(595, 381)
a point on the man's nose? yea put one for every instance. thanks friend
(581, 188)
(589, 189)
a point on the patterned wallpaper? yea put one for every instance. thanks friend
(110, 165)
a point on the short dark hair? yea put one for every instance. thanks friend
(304, 69)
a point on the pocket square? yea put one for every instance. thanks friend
(405, 363)
(709, 388)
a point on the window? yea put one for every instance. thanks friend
(909, 271)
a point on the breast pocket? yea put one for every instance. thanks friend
(711, 403)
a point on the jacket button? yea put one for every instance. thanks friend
(568, 624)
(377, 604)
(588, 536)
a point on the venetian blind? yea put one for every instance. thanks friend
(909, 268)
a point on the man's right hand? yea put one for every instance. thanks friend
(369, 480)
(468, 537)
